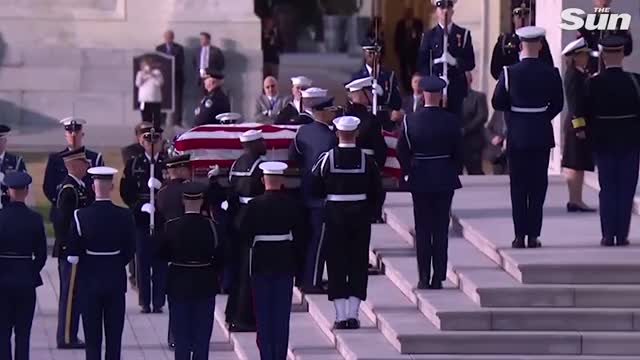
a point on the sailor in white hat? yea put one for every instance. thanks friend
(351, 184)
(228, 118)
(294, 107)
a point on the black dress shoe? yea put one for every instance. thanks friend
(435, 285)
(146, 310)
(74, 345)
(622, 242)
(572, 208)
(157, 310)
(518, 243)
(533, 242)
(340, 325)
(353, 324)
(238, 327)
(607, 242)
(423, 284)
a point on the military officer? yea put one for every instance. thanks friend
(215, 101)
(8, 162)
(135, 189)
(245, 178)
(310, 142)
(193, 249)
(611, 117)
(308, 97)
(430, 153)
(136, 148)
(459, 58)
(74, 194)
(288, 115)
(506, 52)
(23, 253)
(389, 99)
(351, 184)
(102, 242)
(55, 171)
(531, 95)
(273, 229)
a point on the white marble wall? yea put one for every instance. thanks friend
(73, 57)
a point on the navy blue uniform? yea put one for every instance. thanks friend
(611, 109)
(530, 94)
(430, 152)
(23, 253)
(390, 100)
(9, 162)
(103, 236)
(56, 172)
(461, 48)
(310, 142)
(72, 195)
(151, 271)
(273, 226)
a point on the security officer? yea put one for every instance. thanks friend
(102, 242)
(135, 189)
(8, 162)
(531, 95)
(506, 52)
(350, 181)
(55, 171)
(389, 99)
(430, 153)
(215, 101)
(611, 116)
(310, 142)
(459, 59)
(245, 178)
(273, 226)
(23, 253)
(193, 249)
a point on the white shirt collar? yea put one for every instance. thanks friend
(522, 57)
(80, 182)
(369, 69)
(103, 199)
(346, 145)
(155, 157)
(448, 27)
(417, 97)
(192, 212)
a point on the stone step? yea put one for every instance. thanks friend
(306, 338)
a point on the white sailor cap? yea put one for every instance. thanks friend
(102, 172)
(531, 33)
(228, 117)
(363, 83)
(273, 168)
(346, 123)
(579, 45)
(251, 135)
(72, 122)
(314, 92)
(301, 81)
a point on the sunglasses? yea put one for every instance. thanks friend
(444, 4)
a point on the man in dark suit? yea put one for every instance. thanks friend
(407, 42)
(208, 57)
(414, 102)
(475, 113)
(176, 50)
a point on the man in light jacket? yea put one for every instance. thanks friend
(270, 103)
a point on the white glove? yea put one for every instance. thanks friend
(202, 73)
(406, 178)
(378, 91)
(154, 183)
(1, 178)
(73, 259)
(225, 205)
(148, 208)
(446, 58)
(213, 171)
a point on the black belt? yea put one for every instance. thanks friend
(191, 264)
(430, 157)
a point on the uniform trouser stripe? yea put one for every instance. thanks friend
(67, 319)
(315, 267)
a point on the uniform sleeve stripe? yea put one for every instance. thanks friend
(506, 78)
(77, 220)
(99, 160)
(466, 38)
(406, 131)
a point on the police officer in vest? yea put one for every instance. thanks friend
(351, 183)
(430, 153)
(75, 193)
(102, 242)
(193, 249)
(56, 171)
(531, 95)
(610, 117)
(23, 253)
(245, 178)
(135, 189)
(273, 227)
(310, 142)
(459, 58)
(8, 162)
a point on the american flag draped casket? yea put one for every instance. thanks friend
(220, 145)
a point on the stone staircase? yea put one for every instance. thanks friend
(570, 300)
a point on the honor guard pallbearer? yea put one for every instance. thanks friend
(610, 117)
(531, 95)
(351, 184)
(430, 153)
(193, 249)
(75, 193)
(102, 242)
(273, 227)
(290, 112)
(8, 162)
(23, 253)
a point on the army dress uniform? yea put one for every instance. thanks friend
(8, 162)
(430, 152)
(102, 242)
(350, 181)
(531, 95)
(610, 113)
(214, 103)
(273, 227)
(23, 253)
(192, 248)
